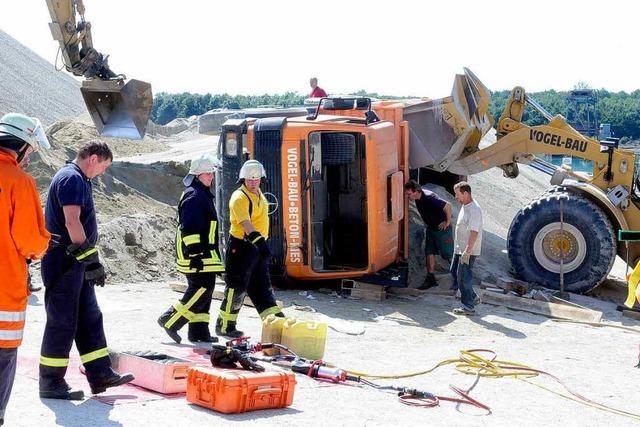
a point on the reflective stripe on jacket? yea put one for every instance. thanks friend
(23, 237)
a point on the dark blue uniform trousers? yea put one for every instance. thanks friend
(73, 314)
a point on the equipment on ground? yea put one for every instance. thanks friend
(234, 391)
(118, 109)
(338, 174)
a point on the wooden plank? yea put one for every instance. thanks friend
(369, 296)
(413, 292)
(631, 314)
(548, 309)
(217, 294)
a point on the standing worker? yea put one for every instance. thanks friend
(248, 255)
(69, 273)
(316, 91)
(436, 214)
(197, 253)
(23, 236)
(466, 248)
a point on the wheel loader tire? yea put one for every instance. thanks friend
(536, 243)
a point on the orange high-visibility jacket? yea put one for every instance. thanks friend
(22, 236)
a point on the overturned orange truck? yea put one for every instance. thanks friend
(336, 174)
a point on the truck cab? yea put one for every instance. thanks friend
(335, 187)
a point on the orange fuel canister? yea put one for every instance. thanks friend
(233, 391)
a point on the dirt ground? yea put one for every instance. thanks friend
(400, 334)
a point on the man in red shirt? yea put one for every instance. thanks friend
(316, 91)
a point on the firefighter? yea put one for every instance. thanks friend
(69, 273)
(247, 256)
(24, 236)
(197, 253)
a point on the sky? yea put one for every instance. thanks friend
(396, 47)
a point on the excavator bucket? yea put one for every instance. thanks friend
(441, 130)
(118, 110)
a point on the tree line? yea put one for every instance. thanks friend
(620, 109)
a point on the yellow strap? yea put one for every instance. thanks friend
(86, 253)
(55, 362)
(207, 269)
(200, 318)
(212, 232)
(225, 314)
(183, 310)
(271, 310)
(191, 239)
(90, 357)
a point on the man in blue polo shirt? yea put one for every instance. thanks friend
(436, 214)
(69, 272)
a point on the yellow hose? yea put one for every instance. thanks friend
(472, 362)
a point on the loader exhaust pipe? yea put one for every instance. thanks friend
(118, 109)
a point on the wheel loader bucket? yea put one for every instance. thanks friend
(441, 130)
(118, 110)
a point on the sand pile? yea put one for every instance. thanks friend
(135, 209)
(31, 85)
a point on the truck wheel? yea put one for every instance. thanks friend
(586, 243)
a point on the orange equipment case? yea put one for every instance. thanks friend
(234, 390)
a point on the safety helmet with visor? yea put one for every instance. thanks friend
(205, 163)
(252, 169)
(25, 128)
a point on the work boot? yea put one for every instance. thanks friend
(111, 379)
(199, 332)
(230, 331)
(59, 389)
(429, 282)
(162, 320)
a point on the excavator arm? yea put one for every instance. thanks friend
(118, 109)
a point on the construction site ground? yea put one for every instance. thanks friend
(400, 334)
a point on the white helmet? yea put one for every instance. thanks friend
(204, 164)
(252, 169)
(27, 129)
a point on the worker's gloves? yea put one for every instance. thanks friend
(464, 258)
(83, 253)
(195, 250)
(226, 357)
(88, 255)
(94, 274)
(196, 264)
(259, 242)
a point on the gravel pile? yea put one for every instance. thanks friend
(31, 85)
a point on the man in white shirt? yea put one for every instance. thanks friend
(468, 241)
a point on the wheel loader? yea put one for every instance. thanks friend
(118, 109)
(335, 183)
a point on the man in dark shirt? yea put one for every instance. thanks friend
(436, 214)
(69, 272)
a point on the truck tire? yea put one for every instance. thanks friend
(535, 242)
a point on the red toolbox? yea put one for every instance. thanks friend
(233, 390)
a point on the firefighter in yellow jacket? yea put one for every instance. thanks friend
(248, 255)
(22, 236)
